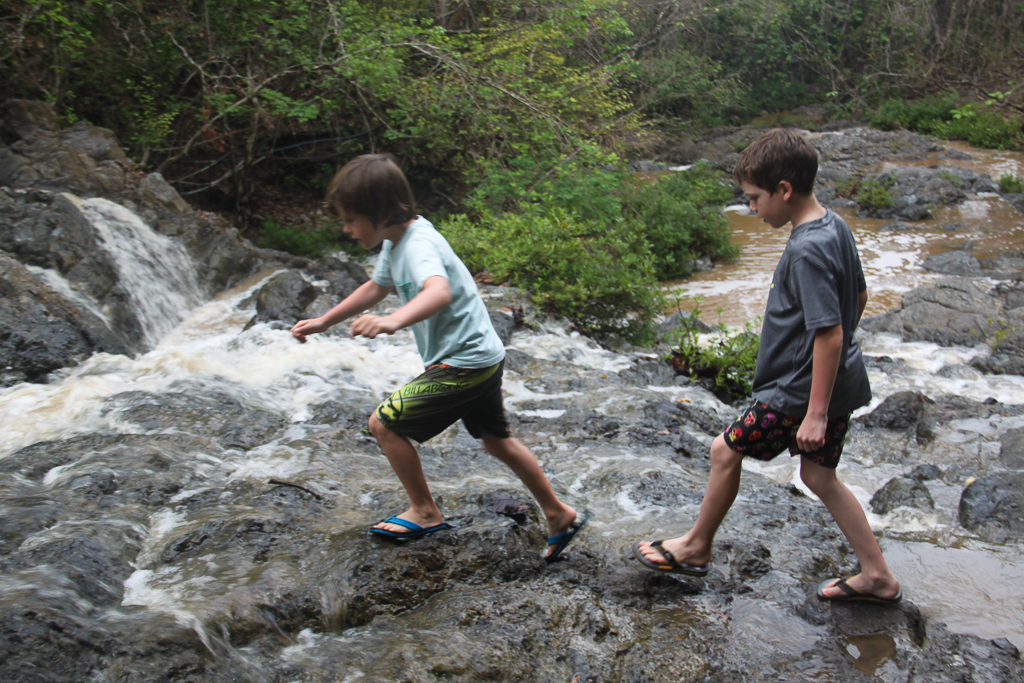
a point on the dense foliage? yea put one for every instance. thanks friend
(510, 116)
(601, 277)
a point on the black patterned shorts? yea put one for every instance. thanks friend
(442, 395)
(763, 433)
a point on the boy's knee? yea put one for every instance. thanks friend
(377, 427)
(723, 456)
(816, 477)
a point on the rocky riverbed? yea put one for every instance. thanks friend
(195, 508)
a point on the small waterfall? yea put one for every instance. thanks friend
(156, 272)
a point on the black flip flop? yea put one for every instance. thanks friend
(671, 564)
(851, 594)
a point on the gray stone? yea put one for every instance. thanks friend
(993, 507)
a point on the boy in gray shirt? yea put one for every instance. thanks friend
(810, 373)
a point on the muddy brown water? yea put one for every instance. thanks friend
(986, 225)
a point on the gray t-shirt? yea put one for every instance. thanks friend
(461, 334)
(816, 284)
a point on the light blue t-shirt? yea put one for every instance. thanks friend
(461, 334)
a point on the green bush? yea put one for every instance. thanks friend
(982, 126)
(921, 116)
(869, 193)
(726, 362)
(599, 277)
(1011, 183)
(310, 242)
(680, 217)
(979, 125)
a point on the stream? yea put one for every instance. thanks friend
(973, 587)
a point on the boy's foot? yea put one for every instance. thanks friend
(678, 551)
(411, 530)
(558, 542)
(410, 515)
(669, 564)
(860, 588)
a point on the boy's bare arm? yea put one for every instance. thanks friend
(828, 346)
(432, 299)
(368, 294)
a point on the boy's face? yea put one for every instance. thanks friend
(360, 228)
(771, 208)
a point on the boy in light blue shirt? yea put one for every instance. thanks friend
(461, 351)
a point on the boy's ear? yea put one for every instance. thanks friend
(785, 189)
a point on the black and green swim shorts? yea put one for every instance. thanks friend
(432, 402)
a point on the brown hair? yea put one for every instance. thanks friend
(371, 185)
(780, 154)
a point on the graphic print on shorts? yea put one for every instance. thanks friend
(763, 433)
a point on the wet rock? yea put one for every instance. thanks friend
(342, 277)
(216, 415)
(898, 411)
(1016, 200)
(953, 311)
(1012, 449)
(34, 152)
(505, 504)
(154, 190)
(649, 373)
(748, 559)
(283, 298)
(1007, 356)
(668, 414)
(679, 322)
(993, 507)
(503, 324)
(925, 472)
(667, 489)
(42, 331)
(901, 491)
(958, 263)
(577, 419)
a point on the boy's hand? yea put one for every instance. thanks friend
(306, 327)
(811, 435)
(372, 325)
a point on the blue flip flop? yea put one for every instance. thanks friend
(562, 540)
(414, 530)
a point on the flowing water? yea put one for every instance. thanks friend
(265, 368)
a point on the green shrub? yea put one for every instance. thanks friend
(869, 193)
(1011, 183)
(312, 242)
(726, 362)
(599, 277)
(680, 216)
(982, 126)
(922, 115)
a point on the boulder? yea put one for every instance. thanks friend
(901, 492)
(953, 311)
(993, 507)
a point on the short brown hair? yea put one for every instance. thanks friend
(780, 154)
(372, 185)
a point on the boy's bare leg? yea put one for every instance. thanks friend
(694, 547)
(524, 464)
(405, 461)
(875, 576)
